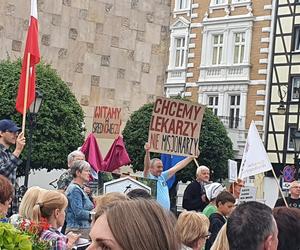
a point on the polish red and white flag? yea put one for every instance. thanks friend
(31, 51)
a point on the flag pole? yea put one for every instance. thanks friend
(196, 162)
(279, 188)
(26, 93)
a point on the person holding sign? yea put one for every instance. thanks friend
(153, 169)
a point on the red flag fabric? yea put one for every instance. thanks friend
(117, 156)
(31, 47)
(92, 153)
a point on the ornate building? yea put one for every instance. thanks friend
(219, 56)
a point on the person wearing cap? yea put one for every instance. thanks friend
(194, 197)
(9, 161)
(212, 191)
(294, 199)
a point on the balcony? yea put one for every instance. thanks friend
(176, 76)
(233, 122)
(224, 73)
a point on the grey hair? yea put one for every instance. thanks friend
(78, 165)
(153, 161)
(201, 168)
(73, 154)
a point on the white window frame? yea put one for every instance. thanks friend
(297, 87)
(214, 107)
(179, 4)
(236, 119)
(228, 30)
(240, 1)
(218, 3)
(240, 44)
(297, 39)
(291, 126)
(219, 46)
(181, 49)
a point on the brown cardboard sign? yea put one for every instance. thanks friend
(106, 122)
(175, 127)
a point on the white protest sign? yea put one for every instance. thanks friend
(232, 171)
(255, 159)
(247, 194)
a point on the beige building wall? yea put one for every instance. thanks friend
(108, 52)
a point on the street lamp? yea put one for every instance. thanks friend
(33, 110)
(296, 141)
(281, 108)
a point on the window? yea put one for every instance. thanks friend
(216, 2)
(234, 111)
(292, 130)
(213, 104)
(239, 47)
(295, 88)
(181, 4)
(297, 38)
(179, 52)
(217, 49)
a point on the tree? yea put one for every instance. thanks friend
(59, 127)
(215, 145)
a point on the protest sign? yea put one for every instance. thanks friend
(175, 127)
(106, 122)
(247, 194)
(232, 171)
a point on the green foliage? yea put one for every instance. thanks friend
(11, 238)
(59, 122)
(135, 135)
(215, 145)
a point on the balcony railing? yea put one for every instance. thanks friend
(176, 76)
(224, 73)
(232, 122)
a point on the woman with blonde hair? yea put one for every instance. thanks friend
(137, 224)
(51, 206)
(192, 230)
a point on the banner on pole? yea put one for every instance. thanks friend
(175, 127)
(106, 122)
(255, 159)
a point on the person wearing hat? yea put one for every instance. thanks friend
(9, 161)
(212, 191)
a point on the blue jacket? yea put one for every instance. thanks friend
(79, 207)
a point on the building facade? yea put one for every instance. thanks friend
(110, 53)
(219, 56)
(284, 85)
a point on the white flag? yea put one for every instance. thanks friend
(255, 159)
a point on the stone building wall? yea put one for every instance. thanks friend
(111, 52)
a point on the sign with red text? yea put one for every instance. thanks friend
(106, 122)
(175, 127)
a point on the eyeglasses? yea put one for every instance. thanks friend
(206, 236)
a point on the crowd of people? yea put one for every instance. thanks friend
(213, 218)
